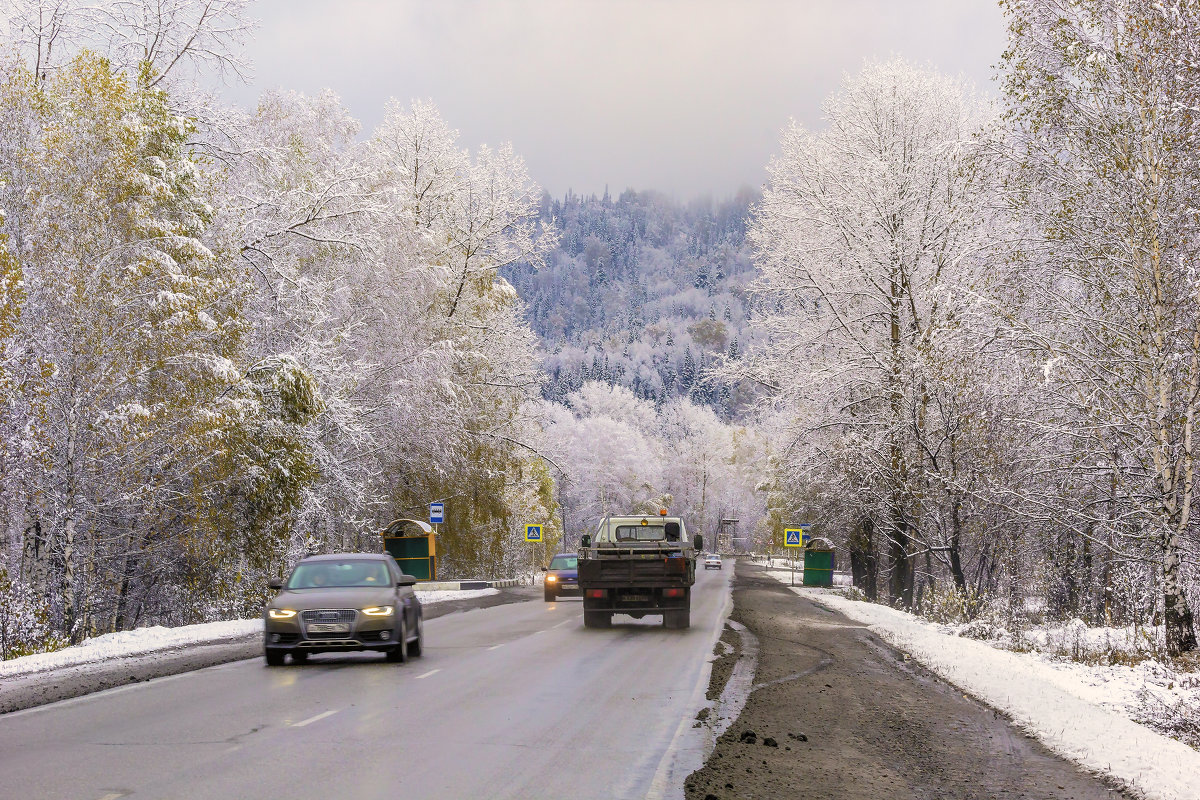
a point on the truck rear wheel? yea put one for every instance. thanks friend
(677, 619)
(597, 619)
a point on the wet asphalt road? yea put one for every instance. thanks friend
(19, 692)
(516, 700)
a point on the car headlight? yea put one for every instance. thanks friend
(551, 578)
(281, 613)
(379, 611)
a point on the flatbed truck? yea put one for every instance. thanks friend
(638, 565)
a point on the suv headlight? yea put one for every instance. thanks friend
(379, 611)
(281, 613)
(551, 578)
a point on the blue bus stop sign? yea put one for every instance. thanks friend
(436, 513)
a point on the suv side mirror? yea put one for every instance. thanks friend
(698, 542)
(406, 580)
(544, 569)
(585, 541)
(275, 585)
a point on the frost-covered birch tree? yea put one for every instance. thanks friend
(1102, 99)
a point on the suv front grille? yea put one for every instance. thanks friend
(329, 615)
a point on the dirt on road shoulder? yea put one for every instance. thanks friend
(837, 713)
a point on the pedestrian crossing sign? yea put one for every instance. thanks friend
(792, 537)
(533, 533)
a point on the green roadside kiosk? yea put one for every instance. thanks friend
(411, 543)
(818, 562)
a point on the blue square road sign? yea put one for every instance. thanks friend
(533, 533)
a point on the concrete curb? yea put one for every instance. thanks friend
(454, 586)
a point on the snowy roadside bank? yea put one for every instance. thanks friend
(1060, 704)
(144, 641)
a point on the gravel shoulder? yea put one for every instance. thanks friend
(27, 691)
(836, 712)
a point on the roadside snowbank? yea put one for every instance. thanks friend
(453, 594)
(131, 643)
(1062, 705)
(143, 641)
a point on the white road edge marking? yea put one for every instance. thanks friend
(564, 622)
(320, 716)
(493, 647)
(427, 674)
(113, 796)
(659, 784)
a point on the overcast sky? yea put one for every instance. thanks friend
(684, 96)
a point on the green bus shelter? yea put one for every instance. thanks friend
(411, 543)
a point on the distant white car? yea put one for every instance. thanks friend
(712, 561)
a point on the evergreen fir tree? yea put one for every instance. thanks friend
(687, 373)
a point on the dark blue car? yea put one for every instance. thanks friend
(562, 576)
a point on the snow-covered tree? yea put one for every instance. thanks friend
(869, 236)
(1102, 101)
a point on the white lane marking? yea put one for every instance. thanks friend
(427, 674)
(564, 622)
(535, 633)
(113, 796)
(493, 647)
(320, 716)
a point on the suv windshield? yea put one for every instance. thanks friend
(640, 533)
(564, 562)
(321, 574)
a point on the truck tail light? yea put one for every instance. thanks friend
(597, 593)
(673, 592)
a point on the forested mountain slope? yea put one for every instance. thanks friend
(642, 292)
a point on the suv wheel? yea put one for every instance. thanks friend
(418, 644)
(399, 653)
(274, 658)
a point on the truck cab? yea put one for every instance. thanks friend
(638, 565)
